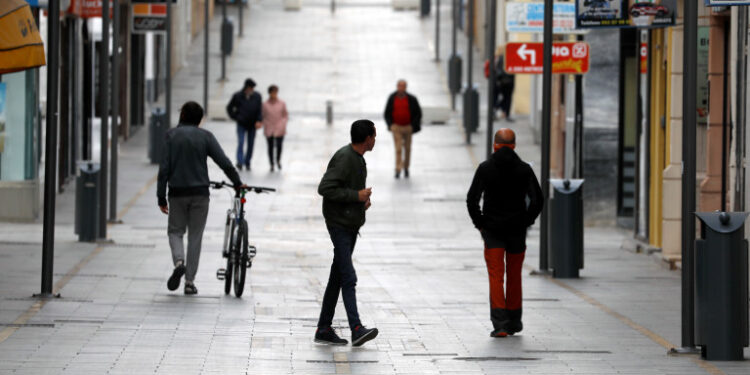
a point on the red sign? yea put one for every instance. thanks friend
(528, 58)
(88, 8)
(644, 58)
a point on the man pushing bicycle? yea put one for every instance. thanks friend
(184, 169)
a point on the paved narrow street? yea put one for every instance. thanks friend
(422, 277)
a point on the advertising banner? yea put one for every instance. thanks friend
(529, 18)
(625, 13)
(149, 18)
(2, 117)
(527, 58)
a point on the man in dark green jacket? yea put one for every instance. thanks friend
(345, 200)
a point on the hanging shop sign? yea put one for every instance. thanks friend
(87, 8)
(724, 3)
(625, 13)
(149, 17)
(529, 18)
(527, 58)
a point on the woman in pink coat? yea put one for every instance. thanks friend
(275, 118)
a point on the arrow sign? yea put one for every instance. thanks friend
(567, 58)
(523, 53)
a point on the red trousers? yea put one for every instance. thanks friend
(508, 298)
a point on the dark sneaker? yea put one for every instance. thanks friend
(190, 289)
(174, 281)
(500, 332)
(239, 167)
(406, 173)
(328, 336)
(278, 165)
(398, 174)
(247, 166)
(514, 326)
(361, 335)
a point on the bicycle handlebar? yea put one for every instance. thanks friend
(255, 189)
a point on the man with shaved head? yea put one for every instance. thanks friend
(512, 200)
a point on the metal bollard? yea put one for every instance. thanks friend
(157, 130)
(87, 202)
(329, 112)
(566, 228)
(454, 73)
(424, 7)
(227, 37)
(471, 111)
(721, 286)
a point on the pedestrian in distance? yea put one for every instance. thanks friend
(184, 170)
(275, 118)
(504, 182)
(504, 86)
(345, 200)
(245, 108)
(403, 116)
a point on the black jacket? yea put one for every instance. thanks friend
(344, 178)
(505, 181)
(415, 111)
(184, 165)
(246, 111)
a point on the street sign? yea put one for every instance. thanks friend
(149, 17)
(625, 13)
(723, 3)
(527, 58)
(529, 18)
(644, 58)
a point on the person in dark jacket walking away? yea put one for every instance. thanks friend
(504, 86)
(403, 116)
(245, 108)
(504, 182)
(184, 169)
(345, 200)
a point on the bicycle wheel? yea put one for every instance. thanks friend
(240, 270)
(231, 259)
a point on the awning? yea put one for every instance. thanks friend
(21, 46)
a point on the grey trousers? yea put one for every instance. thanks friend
(187, 213)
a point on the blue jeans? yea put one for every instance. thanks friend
(244, 159)
(342, 277)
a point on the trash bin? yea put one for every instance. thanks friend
(566, 228)
(87, 201)
(157, 130)
(721, 286)
(227, 36)
(471, 108)
(454, 73)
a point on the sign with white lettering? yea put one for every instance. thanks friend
(527, 58)
(149, 17)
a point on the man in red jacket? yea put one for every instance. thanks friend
(403, 115)
(504, 182)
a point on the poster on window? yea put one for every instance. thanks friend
(625, 13)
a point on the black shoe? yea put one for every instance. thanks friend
(361, 335)
(398, 174)
(174, 280)
(239, 166)
(247, 166)
(278, 165)
(513, 327)
(271, 167)
(328, 336)
(406, 173)
(190, 289)
(500, 332)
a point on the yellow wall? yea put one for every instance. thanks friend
(659, 98)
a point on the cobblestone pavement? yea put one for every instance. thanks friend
(422, 279)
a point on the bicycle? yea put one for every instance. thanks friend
(236, 249)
